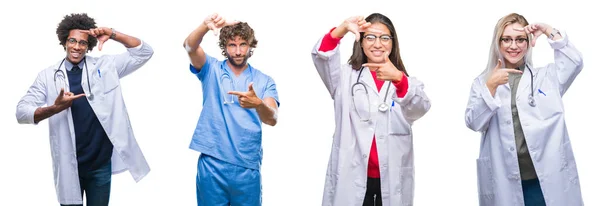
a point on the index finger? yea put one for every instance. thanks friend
(372, 65)
(237, 93)
(78, 96)
(514, 71)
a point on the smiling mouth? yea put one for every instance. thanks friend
(76, 55)
(513, 54)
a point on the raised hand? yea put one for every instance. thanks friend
(500, 75)
(101, 33)
(247, 99)
(65, 99)
(385, 71)
(536, 29)
(215, 21)
(357, 24)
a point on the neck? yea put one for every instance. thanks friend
(514, 66)
(237, 70)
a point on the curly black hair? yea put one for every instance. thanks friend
(76, 21)
(241, 29)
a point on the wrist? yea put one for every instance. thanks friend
(339, 31)
(113, 33)
(55, 109)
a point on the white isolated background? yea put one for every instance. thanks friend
(443, 43)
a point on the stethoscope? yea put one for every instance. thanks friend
(60, 74)
(227, 81)
(531, 98)
(383, 107)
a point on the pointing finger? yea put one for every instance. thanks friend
(514, 71)
(237, 93)
(372, 65)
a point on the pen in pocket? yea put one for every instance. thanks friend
(99, 75)
(540, 91)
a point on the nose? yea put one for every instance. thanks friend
(77, 46)
(513, 45)
(377, 43)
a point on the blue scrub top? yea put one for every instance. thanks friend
(227, 131)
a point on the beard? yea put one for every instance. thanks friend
(234, 63)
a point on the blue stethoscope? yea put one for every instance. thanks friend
(227, 81)
(60, 75)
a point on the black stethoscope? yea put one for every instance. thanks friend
(531, 98)
(61, 75)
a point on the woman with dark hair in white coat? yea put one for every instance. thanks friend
(525, 153)
(375, 103)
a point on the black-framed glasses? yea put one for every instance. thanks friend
(83, 43)
(519, 41)
(385, 39)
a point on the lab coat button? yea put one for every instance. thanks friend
(507, 121)
(512, 149)
(364, 156)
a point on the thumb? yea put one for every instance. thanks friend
(499, 65)
(100, 43)
(387, 56)
(250, 87)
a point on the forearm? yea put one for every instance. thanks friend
(339, 31)
(267, 114)
(126, 40)
(192, 42)
(42, 113)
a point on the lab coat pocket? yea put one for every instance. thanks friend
(568, 167)
(485, 181)
(548, 102)
(397, 124)
(109, 79)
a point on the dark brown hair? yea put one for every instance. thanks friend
(358, 56)
(243, 30)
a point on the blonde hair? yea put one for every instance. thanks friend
(495, 47)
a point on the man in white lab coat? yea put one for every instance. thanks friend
(90, 133)
(525, 156)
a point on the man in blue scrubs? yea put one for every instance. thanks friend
(237, 99)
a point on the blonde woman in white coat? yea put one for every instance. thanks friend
(376, 103)
(525, 154)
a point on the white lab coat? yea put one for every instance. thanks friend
(109, 106)
(347, 171)
(544, 128)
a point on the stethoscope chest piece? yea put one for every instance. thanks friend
(383, 107)
(531, 100)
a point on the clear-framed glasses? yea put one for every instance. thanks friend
(384, 39)
(226, 86)
(60, 81)
(362, 107)
(73, 41)
(520, 41)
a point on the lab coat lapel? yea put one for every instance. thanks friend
(368, 80)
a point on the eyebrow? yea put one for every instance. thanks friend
(518, 36)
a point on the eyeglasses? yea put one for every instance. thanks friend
(73, 41)
(384, 39)
(519, 41)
